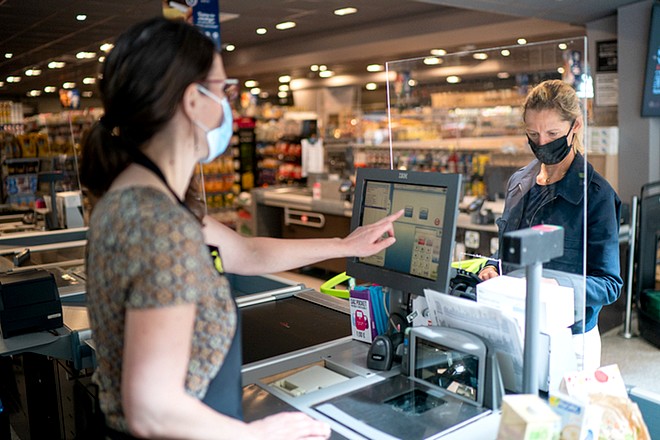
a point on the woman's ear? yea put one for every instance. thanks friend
(577, 125)
(190, 102)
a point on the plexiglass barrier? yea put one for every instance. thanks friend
(512, 120)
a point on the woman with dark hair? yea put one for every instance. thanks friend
(551, 190)
(164, 321)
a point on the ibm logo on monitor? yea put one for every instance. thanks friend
(403, 175)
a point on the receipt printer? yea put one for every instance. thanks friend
(29, 301)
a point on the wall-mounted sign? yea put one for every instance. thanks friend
(606, 56)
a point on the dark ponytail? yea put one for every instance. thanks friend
(142, 83)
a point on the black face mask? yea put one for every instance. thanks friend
(553, 152)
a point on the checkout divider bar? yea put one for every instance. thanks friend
(271, 295)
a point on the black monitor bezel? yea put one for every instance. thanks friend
(396, 280)
(651, 49)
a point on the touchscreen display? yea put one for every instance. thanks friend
(418, 232)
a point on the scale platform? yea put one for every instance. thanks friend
(400, 407)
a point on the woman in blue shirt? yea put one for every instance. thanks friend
(551, 190)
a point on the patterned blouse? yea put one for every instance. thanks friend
(145, 251)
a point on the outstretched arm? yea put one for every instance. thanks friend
(262, 255)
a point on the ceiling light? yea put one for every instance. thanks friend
(101, 59)
(251, 83)
(326, 73)
(68, 85)
(56, 64)
(412, 82)
(34, 93)
(264, 95)
(285, 25)
(87, 94)
(453, 79)
(480, 56)
(314, 67)
(375, 68)
(50, 89)
(9, 55)
(560, 70)
(33, 72)
(371, 86)
(323, 67)
(13, 79)
(230, 47)
(89, 80)
(106, 47)
(522, 41)
(255, 90)
(503, 75)
(345, 11)
(261, 31)
(81, 17)
(284, 79)
(438, 52)
(505, 52)
(562, 46)
(282, 94)
(283, 88)
(432, 61)
(85, 55)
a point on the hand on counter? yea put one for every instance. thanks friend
(488, 272)
(370, 239)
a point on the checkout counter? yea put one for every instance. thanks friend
(298, 355)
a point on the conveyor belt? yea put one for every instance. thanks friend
(287, 324)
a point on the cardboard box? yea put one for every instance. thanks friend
(527, 417)
(579, 420)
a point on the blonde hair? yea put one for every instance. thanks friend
(556, 95)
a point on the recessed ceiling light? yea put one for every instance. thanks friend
(89, 80)
(50, 89)
(326, 73)
(560, 70)
(255, 90)
(283, 88)
(375, 68)
(284, 78)
(432, 61)
(87, 94)
(562, 46)
(106, 47)
(371, 86)
(505, 52)
(522, 41)
(251, 83)
(68, 85)
(503, 75)
(85, 55)
(282, 94)
(412, 82)
(345, 11)
(453, 79)
(13, 79)
(314, 67)
(285, 25)
(33, 72)
(34, 93)
(101, 59)
(480, 56)
(323, 67)
(9, 55)
(438, 52)
(56, 64)
(261, 31)
(81, 17)
(230, 47)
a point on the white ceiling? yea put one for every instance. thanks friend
(38, 31)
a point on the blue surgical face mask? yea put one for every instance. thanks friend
(217, 138)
